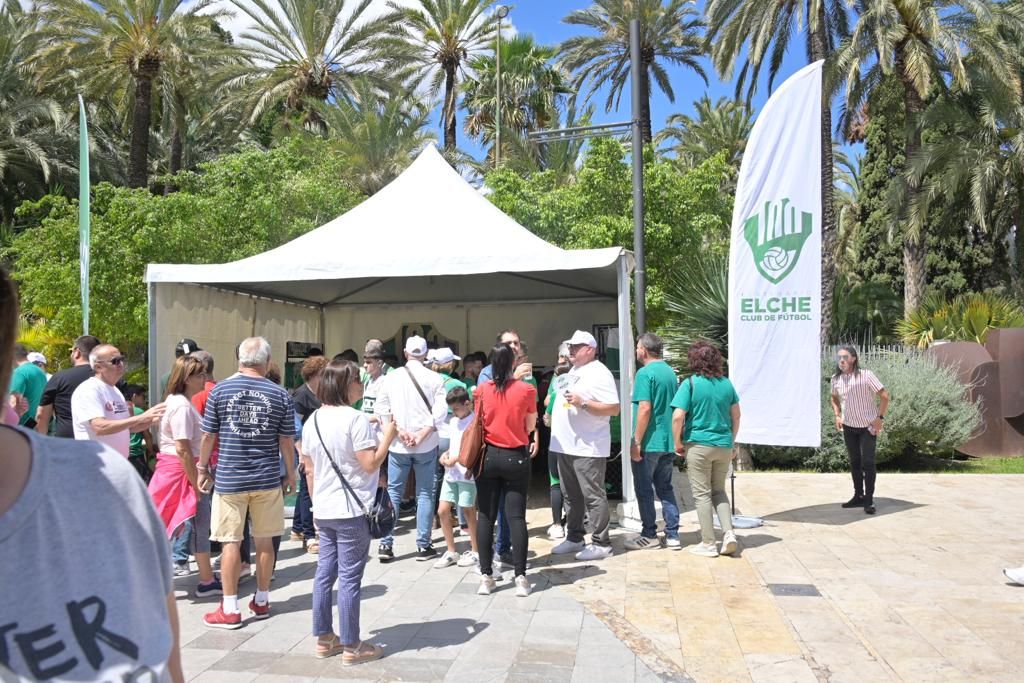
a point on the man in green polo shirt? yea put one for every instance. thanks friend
(28, 380)
(652, 450)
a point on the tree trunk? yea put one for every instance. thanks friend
(819, 50)
(915, 274)
(645, 106)
(177, 144)
(448, 112)
(138, 160)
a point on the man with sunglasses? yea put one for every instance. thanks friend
(98, 409)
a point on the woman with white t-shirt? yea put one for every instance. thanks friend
(338, 433)
(174, 485)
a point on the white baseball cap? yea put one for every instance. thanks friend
(445, 355)
(581, 337)
(416, 346)
(36, 357)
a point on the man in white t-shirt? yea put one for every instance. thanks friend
(99, 411)
(586, 398)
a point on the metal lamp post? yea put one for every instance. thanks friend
(502, 12)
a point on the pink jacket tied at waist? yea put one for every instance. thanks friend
(173, 495)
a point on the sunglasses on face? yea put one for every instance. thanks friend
(116, 360)
(844, 357)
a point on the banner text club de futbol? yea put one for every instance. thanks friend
(775, 270)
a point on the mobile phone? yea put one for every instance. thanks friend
(208, 488)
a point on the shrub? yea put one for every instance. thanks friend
(928, 413)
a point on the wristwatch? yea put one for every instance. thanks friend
(583, 405)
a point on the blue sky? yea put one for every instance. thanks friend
(544, 20)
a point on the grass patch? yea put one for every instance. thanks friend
(925, 463)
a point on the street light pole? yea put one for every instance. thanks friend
(502, 13)
(639, 274)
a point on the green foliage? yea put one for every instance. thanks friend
(968, 317)
(685, 211)
(240, 205)
(928, 414)
(867, 311)
(697, 306)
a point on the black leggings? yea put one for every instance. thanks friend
(860, 446)
(505, 470)
(557, 500)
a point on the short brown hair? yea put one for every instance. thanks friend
(8, 327)
(337, 377)
(273, 372)
(704, 359)
(184, 367)
(312, 366)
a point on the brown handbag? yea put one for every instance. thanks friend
(471, 450)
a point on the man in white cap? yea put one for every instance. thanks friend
(414, 398)
(39, 360)
(581, 439)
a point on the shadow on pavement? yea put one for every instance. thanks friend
(426, 635)
(833, 515)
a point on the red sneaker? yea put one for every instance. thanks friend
(219, 619)
(259, 611)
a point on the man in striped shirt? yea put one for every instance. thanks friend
(860, 420)
(251, 421)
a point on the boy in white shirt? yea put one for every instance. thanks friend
(458, 487)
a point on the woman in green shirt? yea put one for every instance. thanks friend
(705, 422)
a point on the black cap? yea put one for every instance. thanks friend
(185, 347)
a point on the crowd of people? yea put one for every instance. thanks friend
(209, 465)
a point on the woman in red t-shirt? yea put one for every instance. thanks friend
(509, 416)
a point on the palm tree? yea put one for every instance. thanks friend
(379, 133)
(29, 122)
(846, 196)
(311, 50)
(669, 34)
(109, 46)
(561, 158)
(923, 43)
(439, 37)
(723, 125)
(532, 90)
(756, 30)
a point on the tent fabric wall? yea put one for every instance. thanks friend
(218, 320)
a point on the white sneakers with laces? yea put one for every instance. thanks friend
(594, 552)
(641, 543)
(448, 559)
(522, 587)
(556, 532)
(486, 585)
(704, 550)
(567, 546)
(729, 544)
(468, 559)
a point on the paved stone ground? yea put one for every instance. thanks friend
(914, 593)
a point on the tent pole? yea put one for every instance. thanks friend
(323, 329)
(626, 364)
(154, 373)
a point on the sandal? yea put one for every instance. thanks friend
(329, 648)
(313, 547)
(363, 652)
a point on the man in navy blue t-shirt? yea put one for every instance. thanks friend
(251, 421)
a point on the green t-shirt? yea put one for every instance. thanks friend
(28, 380)
(135, 445)
(450, 383)
(552, 392)
(656, 382)
(708, 410)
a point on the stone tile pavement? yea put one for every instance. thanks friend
(914, 593)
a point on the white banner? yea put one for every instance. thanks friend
(775, 270)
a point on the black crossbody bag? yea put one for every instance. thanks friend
(380, 515)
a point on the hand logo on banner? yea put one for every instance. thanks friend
(776, 239)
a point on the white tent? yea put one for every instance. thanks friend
(428, 253)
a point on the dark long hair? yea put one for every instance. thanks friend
(502, 360)
(852, 350)
(335, 380)
(704, 359)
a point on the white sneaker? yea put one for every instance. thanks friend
(522, 587)
(728, 543)
(448, 559)
(468, 559)
(704, 550)
(594, 552)
(556, 531)
(1015, 575)
(673, 543)
(641, 543)
(486, 586)
(567, 546)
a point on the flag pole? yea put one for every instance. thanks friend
(83, 212)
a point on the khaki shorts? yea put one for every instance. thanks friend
(266, 508)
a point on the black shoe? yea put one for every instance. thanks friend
(425, 553)
(407, 505)
(869, 507)
(385, 553)
(855, 502)
(505, 561)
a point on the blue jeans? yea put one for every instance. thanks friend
(425, 467)
(653, 476)
(504, 543)
(302, 518)
(182, 544)
(343, 547)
